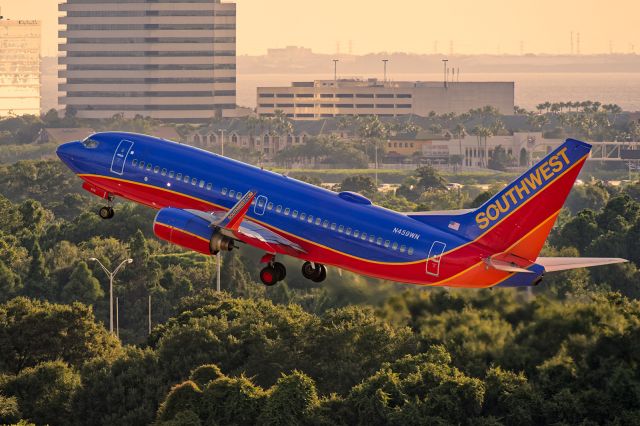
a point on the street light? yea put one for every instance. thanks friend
(385, 69)
(444, 62)
(221, 142)
(111, 277)
(335, 69)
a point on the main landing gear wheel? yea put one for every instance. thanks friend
(317, 273)
(271, 274)
(106, 212)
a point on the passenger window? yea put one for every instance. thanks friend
(395, 246)
(379, 241)
(156, 169)
(201, 185)
(403, 248)
(348, 231)
(325, 224)
(209, 186)
(186, 178)
(224, 191)
(232, 194)
(387, 243)
(294, 214)
(279, 209)
(356, 233)
(148, 166)
(333, 226)
(163, 172)
(310, 219)
(318, 220)
(194, 181)
(341, 228)
(410, 251)
(134, 162)
(238, 195)
(142, 164)
(179, 176)
(363, 236)
(171, 174)
(303, 216)
(260, 202)
(371, 238)
(286, 211)
(270, 206)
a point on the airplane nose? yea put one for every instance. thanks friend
(67, 153)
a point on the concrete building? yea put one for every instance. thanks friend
(335, 98)
(19, 67)
(167, 59)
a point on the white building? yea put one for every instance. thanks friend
(312, 100)
(167, 59)
(19, 67)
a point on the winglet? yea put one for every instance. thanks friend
(234, 217)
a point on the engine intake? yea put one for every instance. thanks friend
(220, 242)
(190, 231)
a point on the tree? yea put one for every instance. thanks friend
(10, 283)
(499, 159)
(291, 401)
(32, 332)
(82, 286)
(361, 184)
(37, 282)
(44, 392)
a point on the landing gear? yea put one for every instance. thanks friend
(273, 272)
(314, 272)
(106, 212)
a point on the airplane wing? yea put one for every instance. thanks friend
(234, 225)
(552, 264)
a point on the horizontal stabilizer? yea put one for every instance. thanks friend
(501, 265)
(552, 264)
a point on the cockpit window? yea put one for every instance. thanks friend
(90, 143)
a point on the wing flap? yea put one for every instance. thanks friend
(552, 264)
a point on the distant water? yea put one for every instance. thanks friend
(530, 88)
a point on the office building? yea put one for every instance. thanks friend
(19, 67)
(166, 59)
(335, 98)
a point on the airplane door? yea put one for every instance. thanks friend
(119, 157)
(261, 203)
(435, 255)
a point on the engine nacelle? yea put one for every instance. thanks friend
(190, 231)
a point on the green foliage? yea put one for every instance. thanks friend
(43, 392)
(82, 286)
(32, 332)
(205, 374)
(9, 411)
(125, 391)
(291, 401)
(361, 184)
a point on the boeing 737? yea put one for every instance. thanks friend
(210, 203)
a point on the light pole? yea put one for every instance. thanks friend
(444, 62)
(335, 69)
(376, 157)
(385, 69)
(111, 277)
(218, 261)
(221, 142)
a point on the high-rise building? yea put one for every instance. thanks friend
(166, 59)
(19, 67)
(311, 100)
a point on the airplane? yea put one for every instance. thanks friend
(209, 203)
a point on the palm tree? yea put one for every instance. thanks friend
(460, 132)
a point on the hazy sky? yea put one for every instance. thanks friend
(474, 26)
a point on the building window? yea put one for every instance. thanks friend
(326, 95)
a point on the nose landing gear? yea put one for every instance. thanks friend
(315, 272)
(107, 212)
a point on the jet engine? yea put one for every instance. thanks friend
(190, 231)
